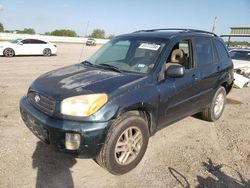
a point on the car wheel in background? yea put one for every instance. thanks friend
(125, 144)
(9, 52)
(47, 52)
(214, 111)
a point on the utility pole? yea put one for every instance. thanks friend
(214, 25)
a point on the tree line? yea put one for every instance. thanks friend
(97, 33)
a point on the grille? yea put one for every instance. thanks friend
(41, 102)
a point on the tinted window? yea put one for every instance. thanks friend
(241, 55)
(204, 51)
(26, 41)
(35, 41)
(222, 52)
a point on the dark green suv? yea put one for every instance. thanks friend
(108, 106)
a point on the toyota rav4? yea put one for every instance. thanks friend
(108, 106)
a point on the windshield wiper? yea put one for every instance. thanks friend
(87, 63)
(114, 68)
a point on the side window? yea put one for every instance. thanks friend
(40, 42)
(33, 41)
(181, 54)
(26, 41)
(204, 51)
(222, 52)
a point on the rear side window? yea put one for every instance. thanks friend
(35, 41)
(204, 51)
(26, 41)
(222, 52)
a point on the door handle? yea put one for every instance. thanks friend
(195, 77)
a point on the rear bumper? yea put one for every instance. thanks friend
(52, 131)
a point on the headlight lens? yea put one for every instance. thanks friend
(83, 105)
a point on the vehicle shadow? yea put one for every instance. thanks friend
(219, 179)
(53, 168)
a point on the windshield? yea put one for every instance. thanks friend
(240, 55)
(16, 41)
(129, 55)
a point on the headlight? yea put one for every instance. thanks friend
(83, 105)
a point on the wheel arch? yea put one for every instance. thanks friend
(144, 111)
(226, 81)
(227, 86)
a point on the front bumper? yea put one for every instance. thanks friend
(52, 130)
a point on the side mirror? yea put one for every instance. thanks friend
(20, 43)
(175, 71)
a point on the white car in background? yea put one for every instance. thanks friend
(27, 47)
(240, 57)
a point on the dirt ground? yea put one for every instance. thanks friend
(190, 153)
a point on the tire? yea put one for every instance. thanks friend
(9, 52)
(47, 52)
(121, 159)
(214, 110)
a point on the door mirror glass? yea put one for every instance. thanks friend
(175, 71)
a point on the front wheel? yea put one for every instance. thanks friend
(214, 111)
(47, 52)
(9, 52)
(125, 144)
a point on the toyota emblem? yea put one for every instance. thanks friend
(37, 98)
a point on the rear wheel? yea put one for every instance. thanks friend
(9, 52)
(47, 52)
(125, 144)
(214, 111)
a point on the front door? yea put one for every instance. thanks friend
(178, 95)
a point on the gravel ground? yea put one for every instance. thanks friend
(189, 153)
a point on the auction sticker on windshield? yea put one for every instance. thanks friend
(149, 46)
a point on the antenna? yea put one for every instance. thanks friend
(86, 31)
(214, 25)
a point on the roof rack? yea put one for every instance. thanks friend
(178, 29)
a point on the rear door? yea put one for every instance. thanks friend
(208, 66)
(37, 46)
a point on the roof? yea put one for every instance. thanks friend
(168, 33)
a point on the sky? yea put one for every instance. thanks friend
(119, 17)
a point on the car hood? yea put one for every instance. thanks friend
(80, 79)
(5, 43)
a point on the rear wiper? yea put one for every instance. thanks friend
(114, 68)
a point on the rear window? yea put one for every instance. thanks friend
(222, 52)
(204, 51)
